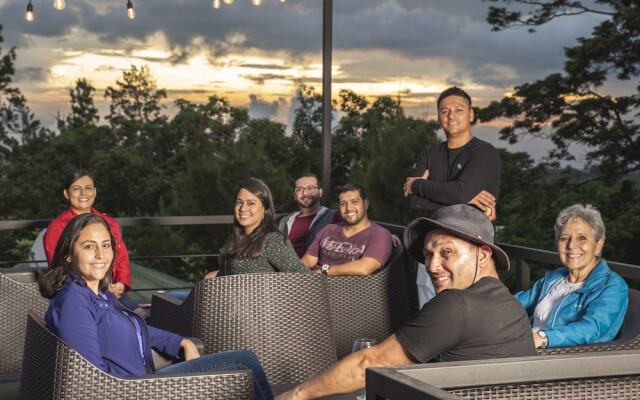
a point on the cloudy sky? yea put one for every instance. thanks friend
(258, 56)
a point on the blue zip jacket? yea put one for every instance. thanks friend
(591, 314)
(97, 329)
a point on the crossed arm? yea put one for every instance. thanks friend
(348, 374)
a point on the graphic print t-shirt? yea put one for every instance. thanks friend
(332, 247)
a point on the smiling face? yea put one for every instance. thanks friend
(450, 261)
(307, 193)
(578, 248)
(81, 194)
(248, 211)
(455, 116)
(93, 254)
(352, 208)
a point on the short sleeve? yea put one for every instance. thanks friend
(380, 246)
(438, 327)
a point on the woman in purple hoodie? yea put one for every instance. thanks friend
(89, 318)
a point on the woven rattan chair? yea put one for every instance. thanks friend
(628, 337)
(171, 314)
(18, 294)
(53, 370)
(369, 306)
(282, 317)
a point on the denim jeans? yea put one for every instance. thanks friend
(226, 361)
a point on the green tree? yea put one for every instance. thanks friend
(83, 109)
(135, 101)
(571, 106)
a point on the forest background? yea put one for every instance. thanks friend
(148, 163)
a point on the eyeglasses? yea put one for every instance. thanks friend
(310, 188)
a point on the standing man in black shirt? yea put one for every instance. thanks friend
(473, 315)
(462, 170)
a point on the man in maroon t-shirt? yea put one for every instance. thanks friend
(356, 246)
(302, 226)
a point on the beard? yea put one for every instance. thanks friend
(308, 201)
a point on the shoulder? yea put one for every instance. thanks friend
(274, 239)
(613, 278)
(72, 295)
(481, 146)
(379, 230)
(62, 220)
(330, 229)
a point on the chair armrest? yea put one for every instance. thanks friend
(222, 385)
(172, 314)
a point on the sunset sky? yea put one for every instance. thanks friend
(258, 56)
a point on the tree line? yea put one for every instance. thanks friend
(149, 164)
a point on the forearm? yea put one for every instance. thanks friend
(345, 377)
(361, 267)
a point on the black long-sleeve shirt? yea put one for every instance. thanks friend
(455, 175)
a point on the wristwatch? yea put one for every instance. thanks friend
(325, 269)
(545, 339)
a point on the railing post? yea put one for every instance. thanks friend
(523, 274)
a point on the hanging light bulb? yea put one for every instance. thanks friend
(256, 2)
(58, 5)
(29, 16)
(215, 4)
(228, 1)
(131, 12)
(283, 1)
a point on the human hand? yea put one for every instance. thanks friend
(395, 241)
(117, 289)
(406, 189)
(211, 274)
(190, 350)
(537, 340)
(486, 202)
(292, 394)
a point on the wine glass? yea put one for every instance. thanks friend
(360, 344)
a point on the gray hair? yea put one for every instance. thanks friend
(588, 213)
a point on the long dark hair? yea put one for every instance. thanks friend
(62, 268)
(250, 246)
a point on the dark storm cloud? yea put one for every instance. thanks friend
(30, 74)
(262, 109)
(415, 29)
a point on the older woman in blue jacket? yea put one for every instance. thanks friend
(89, 318)
(584, 301)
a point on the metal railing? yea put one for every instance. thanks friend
(522, 256)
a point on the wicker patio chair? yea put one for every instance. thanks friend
(53, 370)
(171, 314)
(18, 294)
(282, 317)
(369, 306)
(628, 337)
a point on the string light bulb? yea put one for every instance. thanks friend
(228, 1)
(256, 2)
(215, 4)
(29, 16)
(58, 5)
(131, 12)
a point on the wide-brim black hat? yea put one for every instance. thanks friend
(460, 220)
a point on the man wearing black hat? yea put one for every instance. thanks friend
(473, 315)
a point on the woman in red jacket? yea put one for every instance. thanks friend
(80, 191)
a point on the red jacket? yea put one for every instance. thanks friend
(121, 268)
